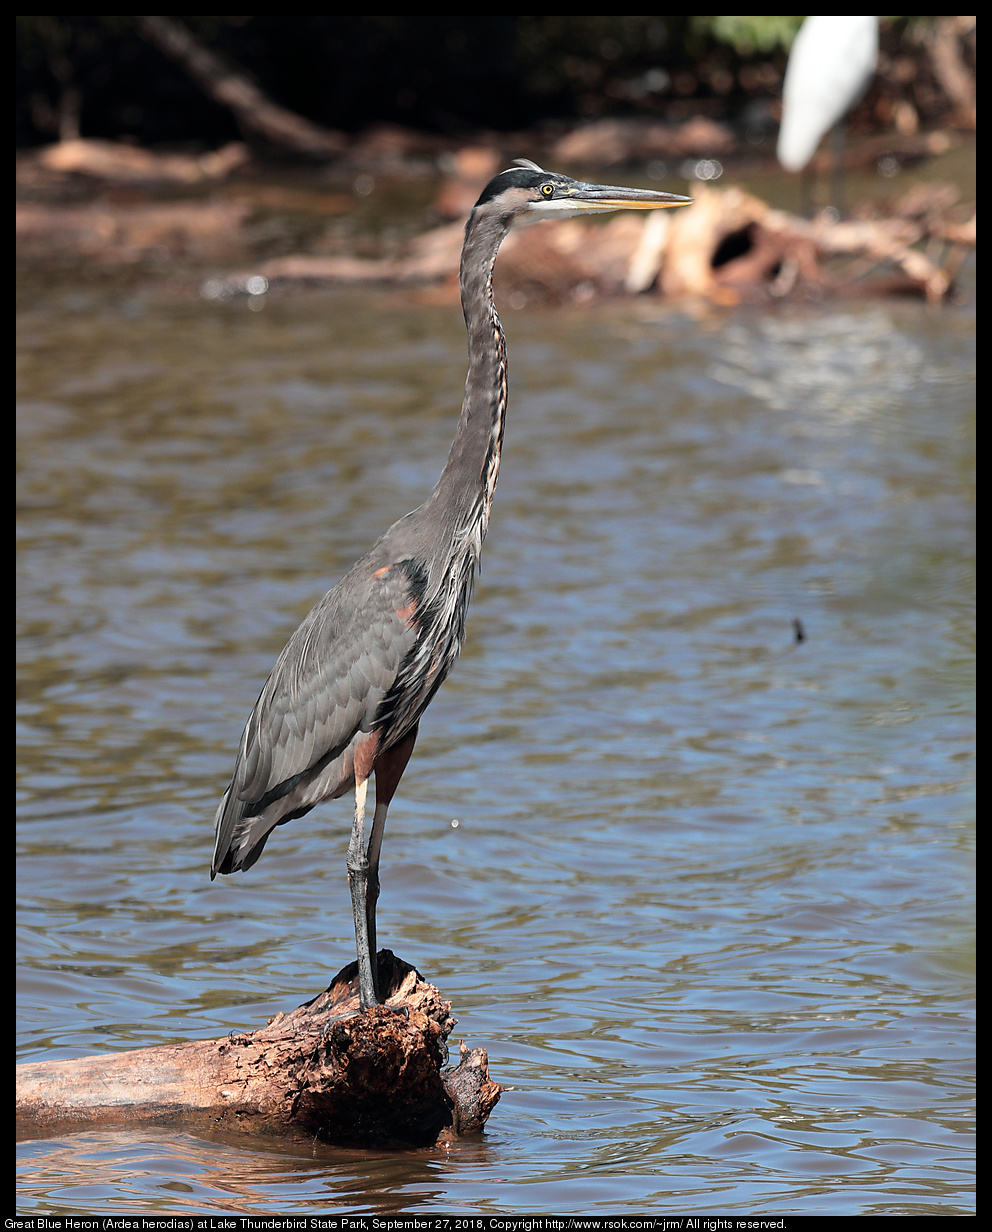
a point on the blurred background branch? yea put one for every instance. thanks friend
(295, 82)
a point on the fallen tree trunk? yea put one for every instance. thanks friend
(325, 1070)
(118, 163)
(254, 111)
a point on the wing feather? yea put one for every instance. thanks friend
(327, 684)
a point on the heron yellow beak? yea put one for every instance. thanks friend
(598, 198)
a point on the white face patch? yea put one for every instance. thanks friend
(563, 207)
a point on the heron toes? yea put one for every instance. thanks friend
(397, 1009)
(402, 1010)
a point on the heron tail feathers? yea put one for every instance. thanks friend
(239, 839)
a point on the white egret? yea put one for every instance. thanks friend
(830, 65)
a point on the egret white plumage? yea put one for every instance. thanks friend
(830, 66)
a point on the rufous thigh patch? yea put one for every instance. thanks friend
(365, 756)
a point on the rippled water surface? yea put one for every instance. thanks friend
(709, 902)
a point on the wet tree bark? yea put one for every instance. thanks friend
(325, 1070)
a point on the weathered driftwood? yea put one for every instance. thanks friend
(118, 163)
(325, 1070)
(108, 235)
(776, 253)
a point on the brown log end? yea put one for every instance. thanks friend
(377, 1077)
(472, 1092)
(326, 1070)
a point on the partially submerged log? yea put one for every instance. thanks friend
(622, 142)
(326, 1070)
(118, 163)
(111, 235)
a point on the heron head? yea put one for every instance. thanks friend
(525, 190)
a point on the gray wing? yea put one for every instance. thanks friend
(325, 688)
(327, 684)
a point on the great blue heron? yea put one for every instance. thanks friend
(346, 695)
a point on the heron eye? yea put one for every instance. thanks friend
(548, 189)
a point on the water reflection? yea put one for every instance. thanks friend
(709, 901)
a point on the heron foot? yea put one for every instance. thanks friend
(402, 1010)
(397, 1009)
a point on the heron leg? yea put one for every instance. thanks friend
(389, 769)
(358, 880)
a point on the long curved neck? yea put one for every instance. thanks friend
(465, 490)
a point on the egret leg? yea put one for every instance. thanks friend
(807, 206)
(838, 181)
(358, 880)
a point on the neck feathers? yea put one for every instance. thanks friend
(469, 478)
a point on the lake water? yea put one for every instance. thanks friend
(709, 904)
